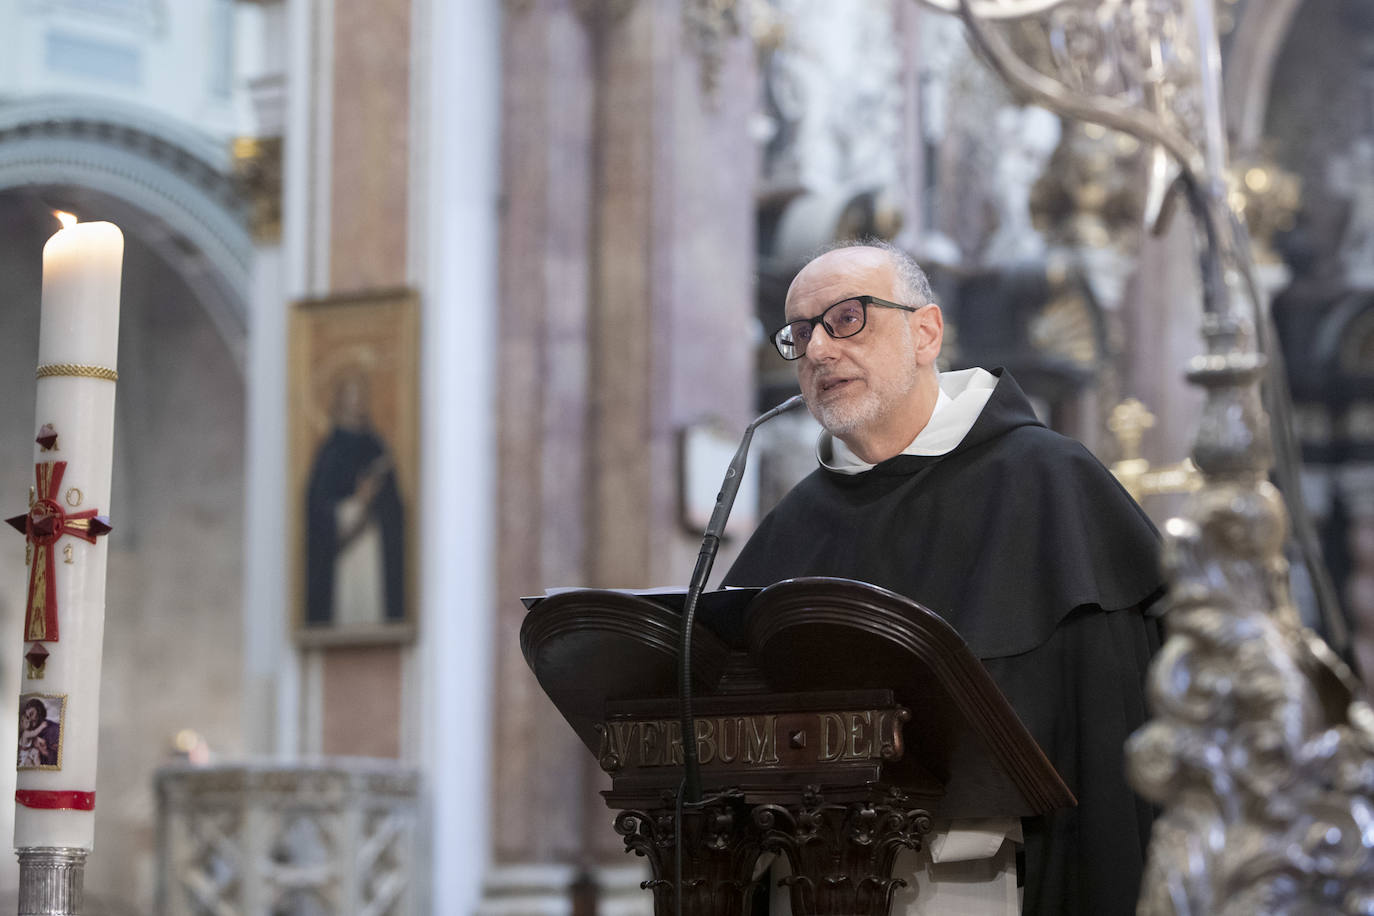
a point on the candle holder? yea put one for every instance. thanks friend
(51, 880)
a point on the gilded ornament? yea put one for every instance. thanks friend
(1128, 422)
(1268, 197)
(76, 371)
(258, 174)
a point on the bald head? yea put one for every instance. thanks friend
(874, 389)
(911, 286)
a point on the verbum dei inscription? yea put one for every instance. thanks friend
(759, 740)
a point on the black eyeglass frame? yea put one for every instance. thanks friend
(864, 302)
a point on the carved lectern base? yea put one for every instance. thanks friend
(719, 849)
(841, 854)
(830, 727)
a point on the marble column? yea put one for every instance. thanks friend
(455, 200)
(547, 98)
(361, 116)
(269, 661)
(626, 308)
(1162, 314)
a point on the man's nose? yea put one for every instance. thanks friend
(821, 345)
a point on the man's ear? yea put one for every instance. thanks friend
(928, 333)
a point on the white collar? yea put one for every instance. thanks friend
(963, 395)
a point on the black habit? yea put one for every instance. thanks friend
(341, 463)
(1030, 548)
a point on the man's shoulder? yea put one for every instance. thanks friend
(1037, 447)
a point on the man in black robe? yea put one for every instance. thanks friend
(947, 489)
(353, 465)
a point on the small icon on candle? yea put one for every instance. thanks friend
(67, 220)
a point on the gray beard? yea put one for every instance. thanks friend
(842, 419)
(853, 414)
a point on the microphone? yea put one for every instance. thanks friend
(706, 558)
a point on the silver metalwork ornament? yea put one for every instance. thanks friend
(1261, 749)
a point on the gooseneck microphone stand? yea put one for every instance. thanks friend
(706, 558)
(690, 791)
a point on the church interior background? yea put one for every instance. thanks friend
(593, 209)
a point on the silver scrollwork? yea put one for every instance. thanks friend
(1260, 749)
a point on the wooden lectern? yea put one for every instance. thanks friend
(834, 721)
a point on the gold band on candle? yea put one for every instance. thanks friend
(73, 369)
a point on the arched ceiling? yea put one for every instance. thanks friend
(171, 185)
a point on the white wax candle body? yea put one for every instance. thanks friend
(82, 267)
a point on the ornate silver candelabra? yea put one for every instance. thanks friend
(1261, 750)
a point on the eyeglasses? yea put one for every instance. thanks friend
(841, 320)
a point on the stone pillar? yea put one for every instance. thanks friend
(626, 307)
(347, 215)
(454, 200)
(1162, 314)
(542, 408)
(269, 663)
(390, 180)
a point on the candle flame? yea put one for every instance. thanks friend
(67, 220)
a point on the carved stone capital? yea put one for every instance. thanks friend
(258, 171)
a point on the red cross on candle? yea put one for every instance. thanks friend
(43, 525)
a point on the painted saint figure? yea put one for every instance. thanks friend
(39, 736)
(355, 567)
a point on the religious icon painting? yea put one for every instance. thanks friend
(42, 723)
(354, 437)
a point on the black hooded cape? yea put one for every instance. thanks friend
(1030, 548)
